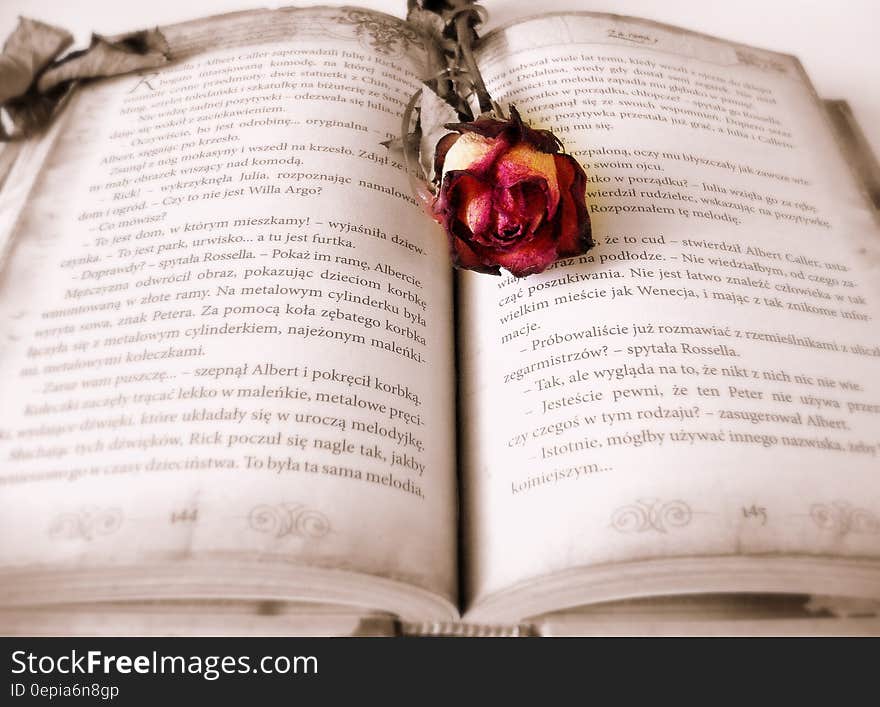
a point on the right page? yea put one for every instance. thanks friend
(698, 398)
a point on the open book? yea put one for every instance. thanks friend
(240, 379)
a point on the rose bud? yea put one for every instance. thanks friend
(507, 197)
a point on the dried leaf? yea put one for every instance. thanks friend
(109, 56)
(434, 114)
(34, 85)
(399, 144)
(428, 22)
(394, 144)
(30, 47)
(34, 110)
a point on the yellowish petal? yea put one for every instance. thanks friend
(522, 161)
(469, 149)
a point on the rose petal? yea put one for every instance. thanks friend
(463, 256)
(574, 232)
(520, 210)
(522, 162)
(474, 201)
(487, 127)
(533, 202)
(474, 153)
(464, 198)
(542, 140)
(531, 257)
(443, 146)
(511, 219)
(536, 203)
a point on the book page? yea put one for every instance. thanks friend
(227, 322)
(706, 381)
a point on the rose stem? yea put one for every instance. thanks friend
(435, 55)
(464, 35)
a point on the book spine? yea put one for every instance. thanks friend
(464, 630)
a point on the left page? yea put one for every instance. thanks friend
(227, 351)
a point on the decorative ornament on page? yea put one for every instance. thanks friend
(505, 192)
(35, 82)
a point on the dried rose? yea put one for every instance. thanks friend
(507, 197)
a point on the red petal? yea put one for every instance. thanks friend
(574, 232)
(531, 257)
(542, 140)
(487, 127)
(524, 163)
(524, 204)
(465, 198)
(443, 145)
(463, 256)
(536, 203)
